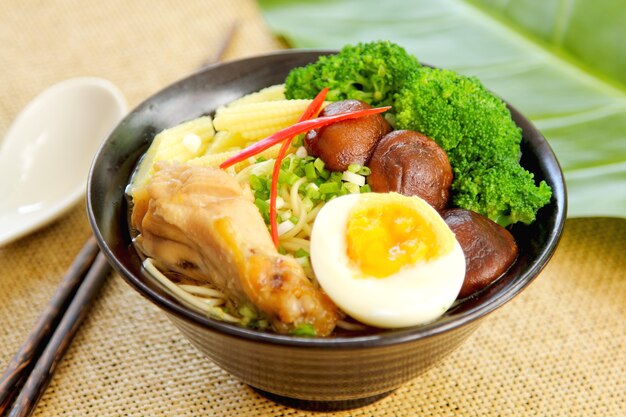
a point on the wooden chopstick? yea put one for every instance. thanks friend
(63, 315)
(218, 55)
(23, 361)
(77, 309)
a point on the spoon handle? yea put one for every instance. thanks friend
(21, 364)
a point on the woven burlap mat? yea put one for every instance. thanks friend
(558, 349)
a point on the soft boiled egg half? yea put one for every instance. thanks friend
(386, 259)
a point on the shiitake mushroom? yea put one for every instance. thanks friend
(489, 248)
(349, 141)
(411, 164)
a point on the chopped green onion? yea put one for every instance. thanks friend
(351, 188)
(308, 203)
(366, 189)
(311, 186)
(336, 176)
(285, 165)
(304, 329)
(364, 171)
(312, 191)
(247, 312)
(353, 178)
(329, 188)
(297, 141)
(263, 169)
(301, 253)
(264, 208)
(286, 177)
(324, 174)
(255, 182)
(354, 167)
(319, 165)
(309, 170)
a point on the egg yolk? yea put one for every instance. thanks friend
(383, 236)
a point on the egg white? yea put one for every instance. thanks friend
(416, 294)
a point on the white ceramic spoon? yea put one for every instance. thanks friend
(46, 153)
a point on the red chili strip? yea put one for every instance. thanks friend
(296, 129)
(311, 111)
(314, 108)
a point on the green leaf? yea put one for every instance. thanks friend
(561, 63)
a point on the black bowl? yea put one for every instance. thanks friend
(333, 372)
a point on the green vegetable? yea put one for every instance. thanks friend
(309, 170)
(297, 141)
(247, 312)
(364, 171)
(354, 168)
(287, 177)
(319, 165)
(304, 329)
(312, 191)
(251, 318)
(505, 192)
(256, 183)
(329, 188)
(359, 169)
(319, 184)
(475, 129)
(351, 188)
(264, 208)
(301, 253)
(371, 72)
(471, 124)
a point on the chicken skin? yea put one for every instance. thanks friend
(199, 222)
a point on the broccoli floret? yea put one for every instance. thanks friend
(506, 193)
(471, 124)
(475, 129)
(371, 72)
